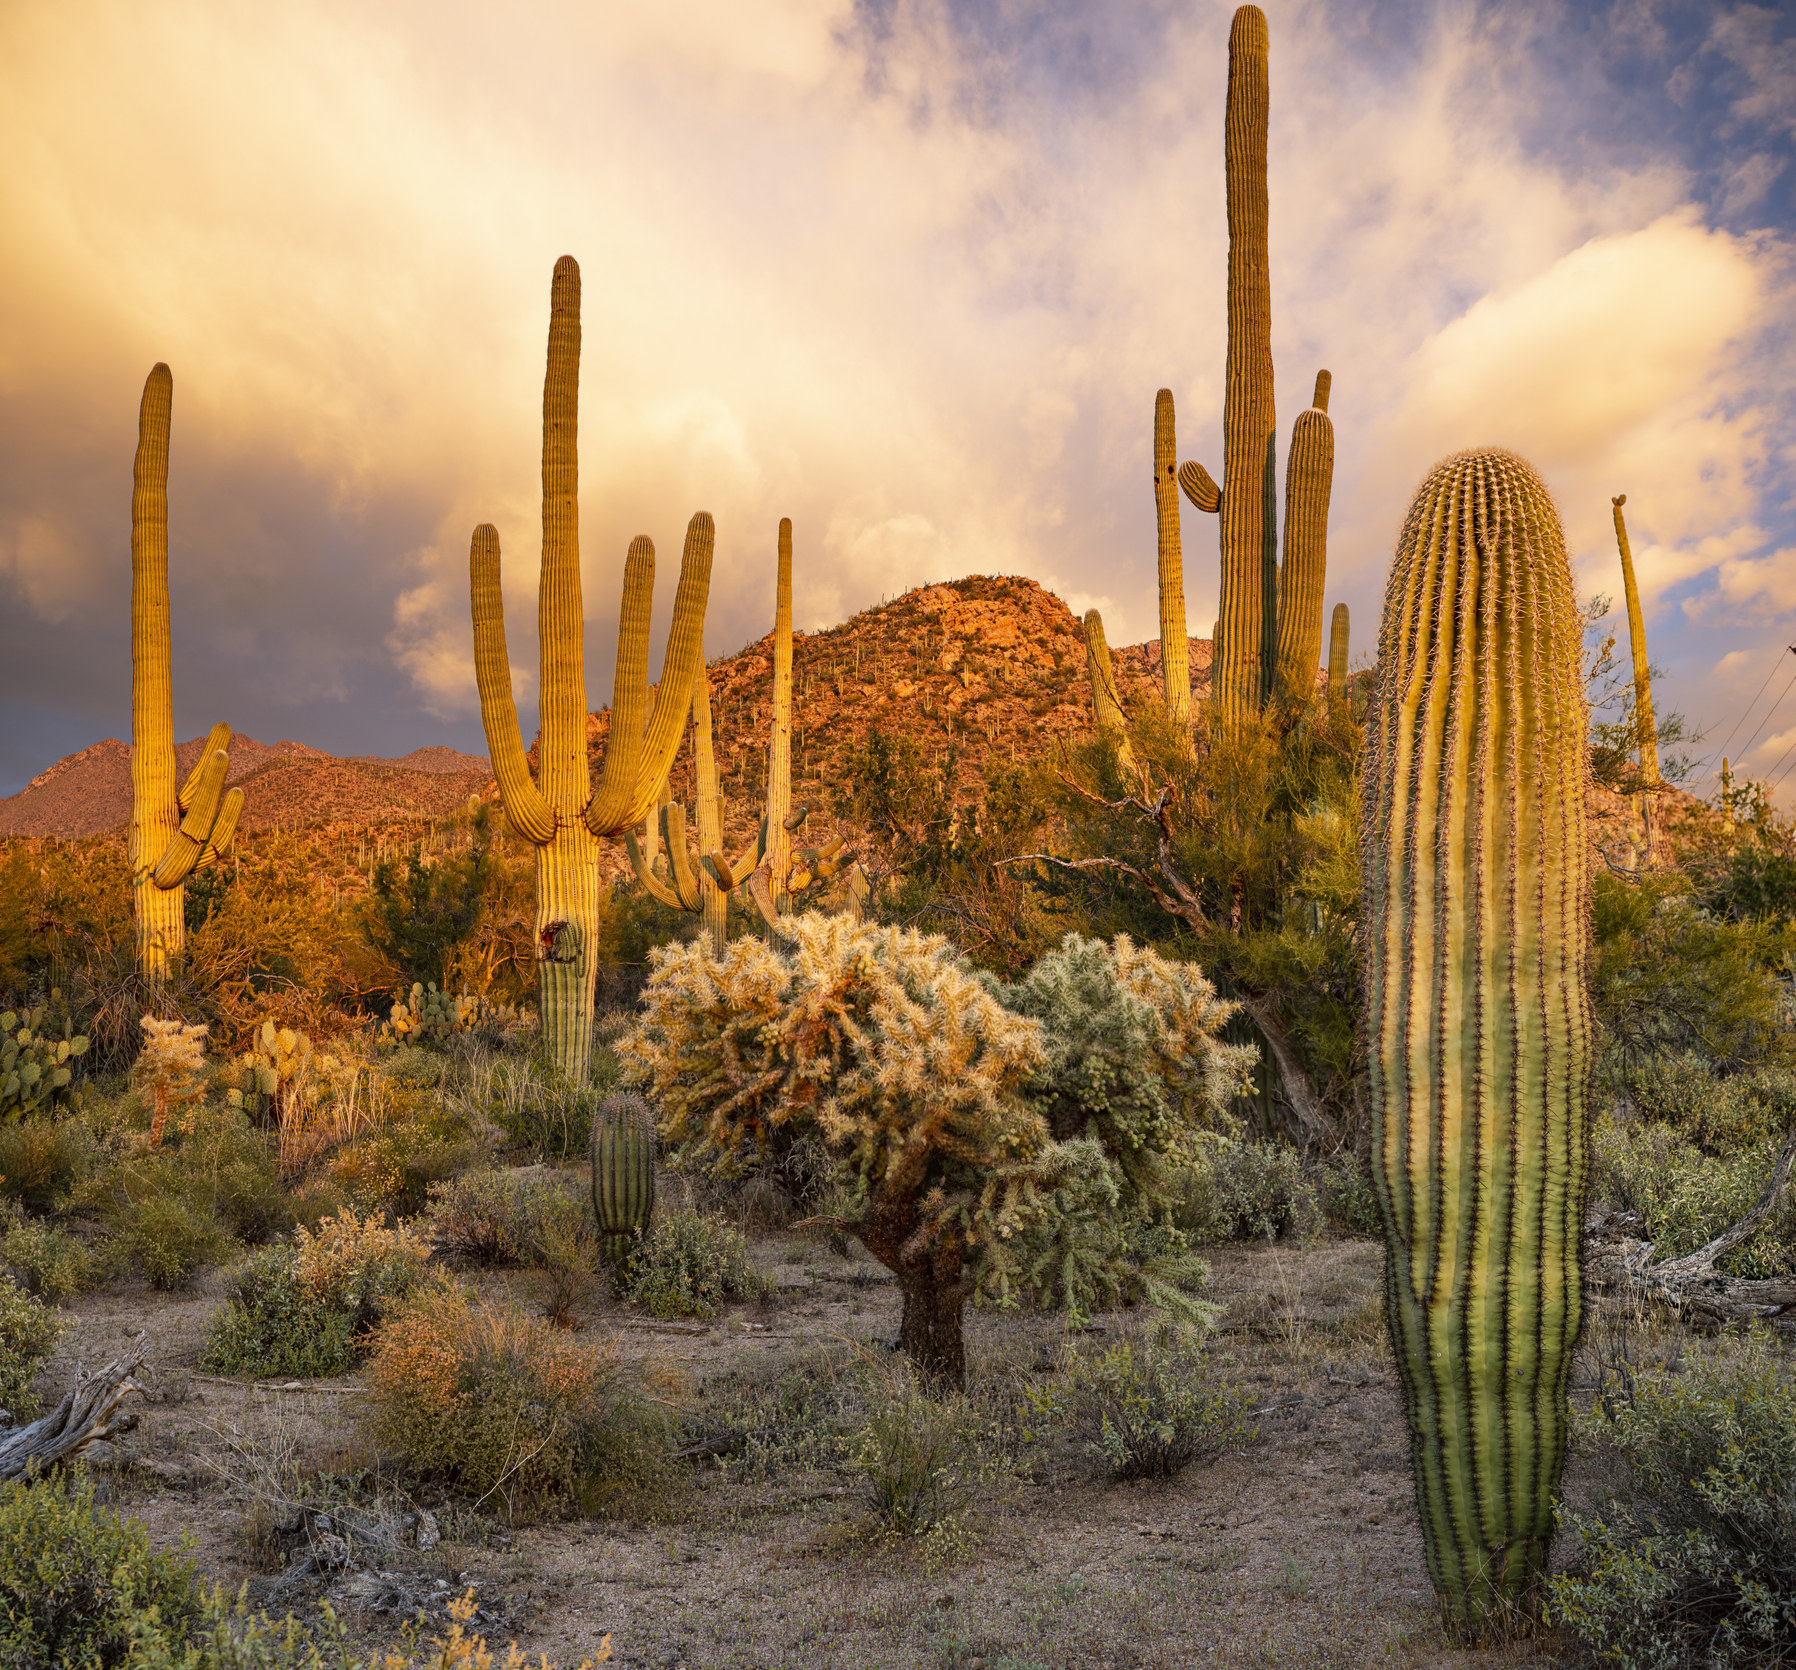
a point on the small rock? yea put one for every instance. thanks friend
(429, 1533)
(330, 1552)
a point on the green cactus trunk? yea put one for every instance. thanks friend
(1647, 727)
(558, 811)
(1175, 656)
(1476, 903)
(1105, 702)
(623, 1166)
(1309, 477)
(1337, 654)
(1249, 513)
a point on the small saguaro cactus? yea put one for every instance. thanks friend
(1476, 886)
(173, 831)
(1309, 477)
(1105, 701)
(623, 1165)
(1338, 640)
(1648, 731)
(559, 811)
(1175, 658)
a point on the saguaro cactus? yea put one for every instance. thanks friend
(1476, 897)
(1105, 701)
(1309, 476)
(1643, 673)
(623, 1166)
(558, 810)
(173, 832)
(1175, 656)
(1337, 654)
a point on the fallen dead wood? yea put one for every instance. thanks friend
(92, 1410)
(1620, 1266)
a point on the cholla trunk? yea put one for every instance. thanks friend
(933, 1282)
(1476, 904)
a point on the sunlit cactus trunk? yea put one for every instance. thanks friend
(1175, 655)
(1338, 640)
(1648, 730)
(173, 832)
(1476, 907)
(778, 857)
(1309, 478)
(559, 811)
(1105, 702)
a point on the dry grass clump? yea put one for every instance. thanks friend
(505, 1405)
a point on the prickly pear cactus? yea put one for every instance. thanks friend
(623, 1165)
(35, 1070)
(1475, 864)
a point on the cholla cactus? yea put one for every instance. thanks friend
(169, 1068)
(901, 1060)
(34, 1063)
(173, 832)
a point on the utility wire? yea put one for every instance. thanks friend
(1755, 701)
(1747, 749)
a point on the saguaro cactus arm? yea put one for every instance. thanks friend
(1175, 658)
(183, 852)
(1309, 476)
(1337, 654)
(1199, 487)
(1643, 672)
(526, 811)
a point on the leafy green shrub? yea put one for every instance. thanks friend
(1143, 1411)
(688, 1265)
(1721, 1115)
(494, 1218)
(500, 1402)
(308, 1306)
(76, 1582)
(42, 1160)
(1694, 1562)
(1687, 1198)
(44, 1260)
(28, 1330)
(1246, 1191)
(169, 1239)
(1349, 1202)
(922, 1460)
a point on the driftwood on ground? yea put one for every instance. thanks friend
(91, 1411)
(1620, 1266)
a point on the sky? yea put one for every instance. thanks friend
(907, 271)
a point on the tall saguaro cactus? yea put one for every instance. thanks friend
(1175, 656)
(1643, 673)
(173, 831)
(1338, 631)
(1476, 897)
(559, 810)
(1309, 477)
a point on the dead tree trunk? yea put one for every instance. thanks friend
(1621, 1266)
(92, 1410)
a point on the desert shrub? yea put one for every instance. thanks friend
(798, 1414)
(922, 1460)
(28, 1331)
(1693, 1561)
(43, 1260)
(1721, 1115)
(688, 1265)
(1349, 1202)
(76, 1582)
(42, 1160)
(534, 1221)
(308, 1306)
(1246, 1191)
(1143, 1411)
(394, 1169)
(170, 1239)
(1687, 1197)
(545, 1116)
(502, 1403)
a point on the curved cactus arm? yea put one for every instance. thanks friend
(710, 806)
(1175, 658)
(1309, 479)
(682, 661)
(219, 737)
(760, 889)
(183, 852)
(1199, 487)
(679, 862)
(1647, 731)
(652, 884)
(528, 813)
(224, 831)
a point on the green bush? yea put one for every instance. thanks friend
(1246, 1191)
(1142, 1409)
(922, 1460)
(1687, 1198)
(170, 1239)
(688, 1265)
(28, 1331)
(1349, 1202)
(77, 1583)
(44, 1260)
(1721, 1115)
(1693, 1563)
(494, 1218)
(502, 1403)
(42, 1160)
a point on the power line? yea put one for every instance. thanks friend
(1791, 649)
(1767, 719)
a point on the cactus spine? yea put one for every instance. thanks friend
(1309, 475)
(173, 832)
(1474, 851)
(1105, 701)
(1643, 673)
(1337, 655)
(558, 811)
(1175, 655)
(623, 1165)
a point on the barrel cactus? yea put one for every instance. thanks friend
(1476, 895)
(623, 1165)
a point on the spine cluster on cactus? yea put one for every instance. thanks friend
(623, 1165)
(173, 831)
(1648, 730)
(559, 811)
(1476, 900)
(1175, 659)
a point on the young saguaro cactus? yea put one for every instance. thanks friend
(1175, 655)
(1643, 672)
(173, 831)
(559, 810)
(1337, 654)
(623, 1165)
(1309, 477)
(1477, 890)
(1105, 701)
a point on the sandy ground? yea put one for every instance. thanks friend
(1301, 1550)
